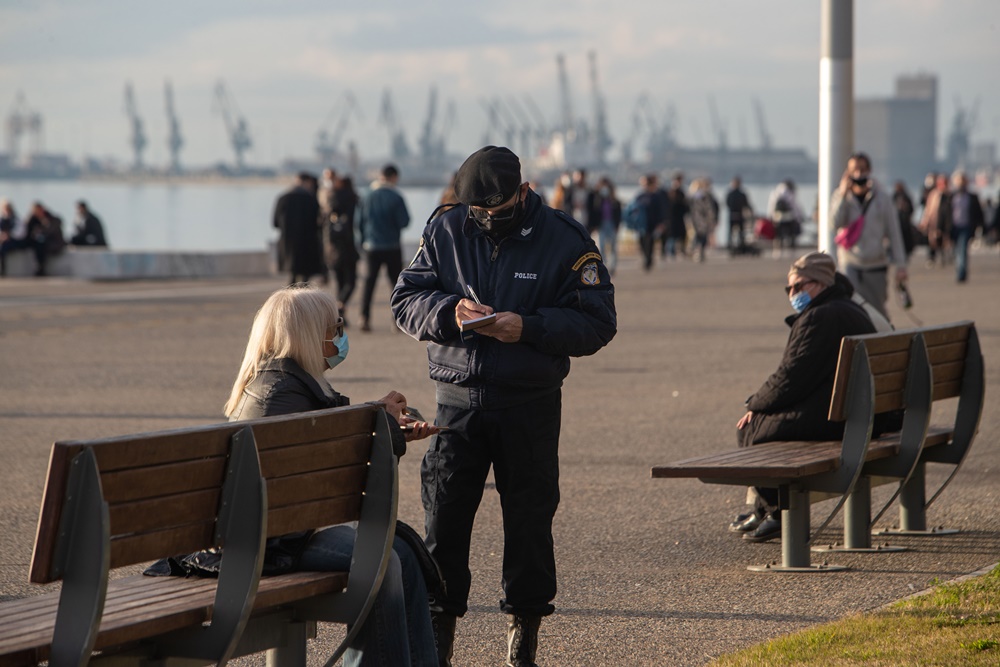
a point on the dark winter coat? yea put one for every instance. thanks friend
(296, 215)
(548, 271)
(793, 403)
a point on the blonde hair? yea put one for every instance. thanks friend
(292, 323)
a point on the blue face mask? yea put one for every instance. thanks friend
(800, 301)
(342, 349)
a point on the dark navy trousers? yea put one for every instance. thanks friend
(521, 443)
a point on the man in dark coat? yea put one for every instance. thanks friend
(793, 403)
(296, 216)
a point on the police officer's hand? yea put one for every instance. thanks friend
(744, 421)
(467, 309)
(507, 328)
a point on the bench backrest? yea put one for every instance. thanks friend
(163, 489)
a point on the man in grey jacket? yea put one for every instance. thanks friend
(865, 259)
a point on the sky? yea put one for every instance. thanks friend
(290, 66)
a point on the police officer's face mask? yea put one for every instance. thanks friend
(502, 222)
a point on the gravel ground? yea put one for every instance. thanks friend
(648, 574)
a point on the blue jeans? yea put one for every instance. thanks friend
(398, 629)
(607, 239)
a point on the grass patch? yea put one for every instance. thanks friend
(956, 625)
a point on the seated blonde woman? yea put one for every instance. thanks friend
(297, 335)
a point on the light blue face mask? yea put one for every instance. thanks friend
(800, 301)
(342, 349)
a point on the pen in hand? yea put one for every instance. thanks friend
(472, 293)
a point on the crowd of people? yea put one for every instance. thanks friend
(41, 233)
(322, 224)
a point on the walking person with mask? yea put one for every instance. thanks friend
(534, 277)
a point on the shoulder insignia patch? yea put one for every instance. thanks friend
(589, 275)
(590, 255)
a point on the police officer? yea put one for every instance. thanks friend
(500, 252)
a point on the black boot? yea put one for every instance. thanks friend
(522, 640)
(444, 636)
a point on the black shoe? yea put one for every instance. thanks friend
(522, 641)
(444, 636)
(745, 523)
(768, 529)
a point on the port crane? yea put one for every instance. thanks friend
(398, 148)
(602, 138)
(21, 121)
(236, 125)
(717, 125)
(432, 142)
(137, 138)
(765, 136)
(175, 140)
(328, 144)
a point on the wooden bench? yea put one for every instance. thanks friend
(122, 501)
(807, 471)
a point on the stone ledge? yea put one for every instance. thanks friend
(102, 264)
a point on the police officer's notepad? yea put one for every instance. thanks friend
(469, 325)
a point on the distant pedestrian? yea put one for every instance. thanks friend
(740, 211)
(578, 197)
(645, 215)
(13, 233)
(703, 215)
(89, 231)
(606, 216)
(935, 221)
(865, 220)
(296, 217)
(966, 218)
(904, 213)
(45, 236)
(674, 239)
(382, 219)
(784, 210)
(343, 249)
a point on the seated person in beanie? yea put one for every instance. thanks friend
(793, 403)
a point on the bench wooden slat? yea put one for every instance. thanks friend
(164, 512)
(311, 515)
(286, 461)
(153, 481)
(296, 489)
(272, 432)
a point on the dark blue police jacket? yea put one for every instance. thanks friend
(548, 271)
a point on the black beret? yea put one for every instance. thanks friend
(488, 177)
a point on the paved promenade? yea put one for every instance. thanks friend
(648, 573)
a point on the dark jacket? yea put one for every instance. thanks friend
(296, 214)
(548, 271)
(595, 211)
(90, 232)
(793, 403)
(281, 388)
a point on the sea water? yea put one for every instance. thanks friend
(231, 215)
